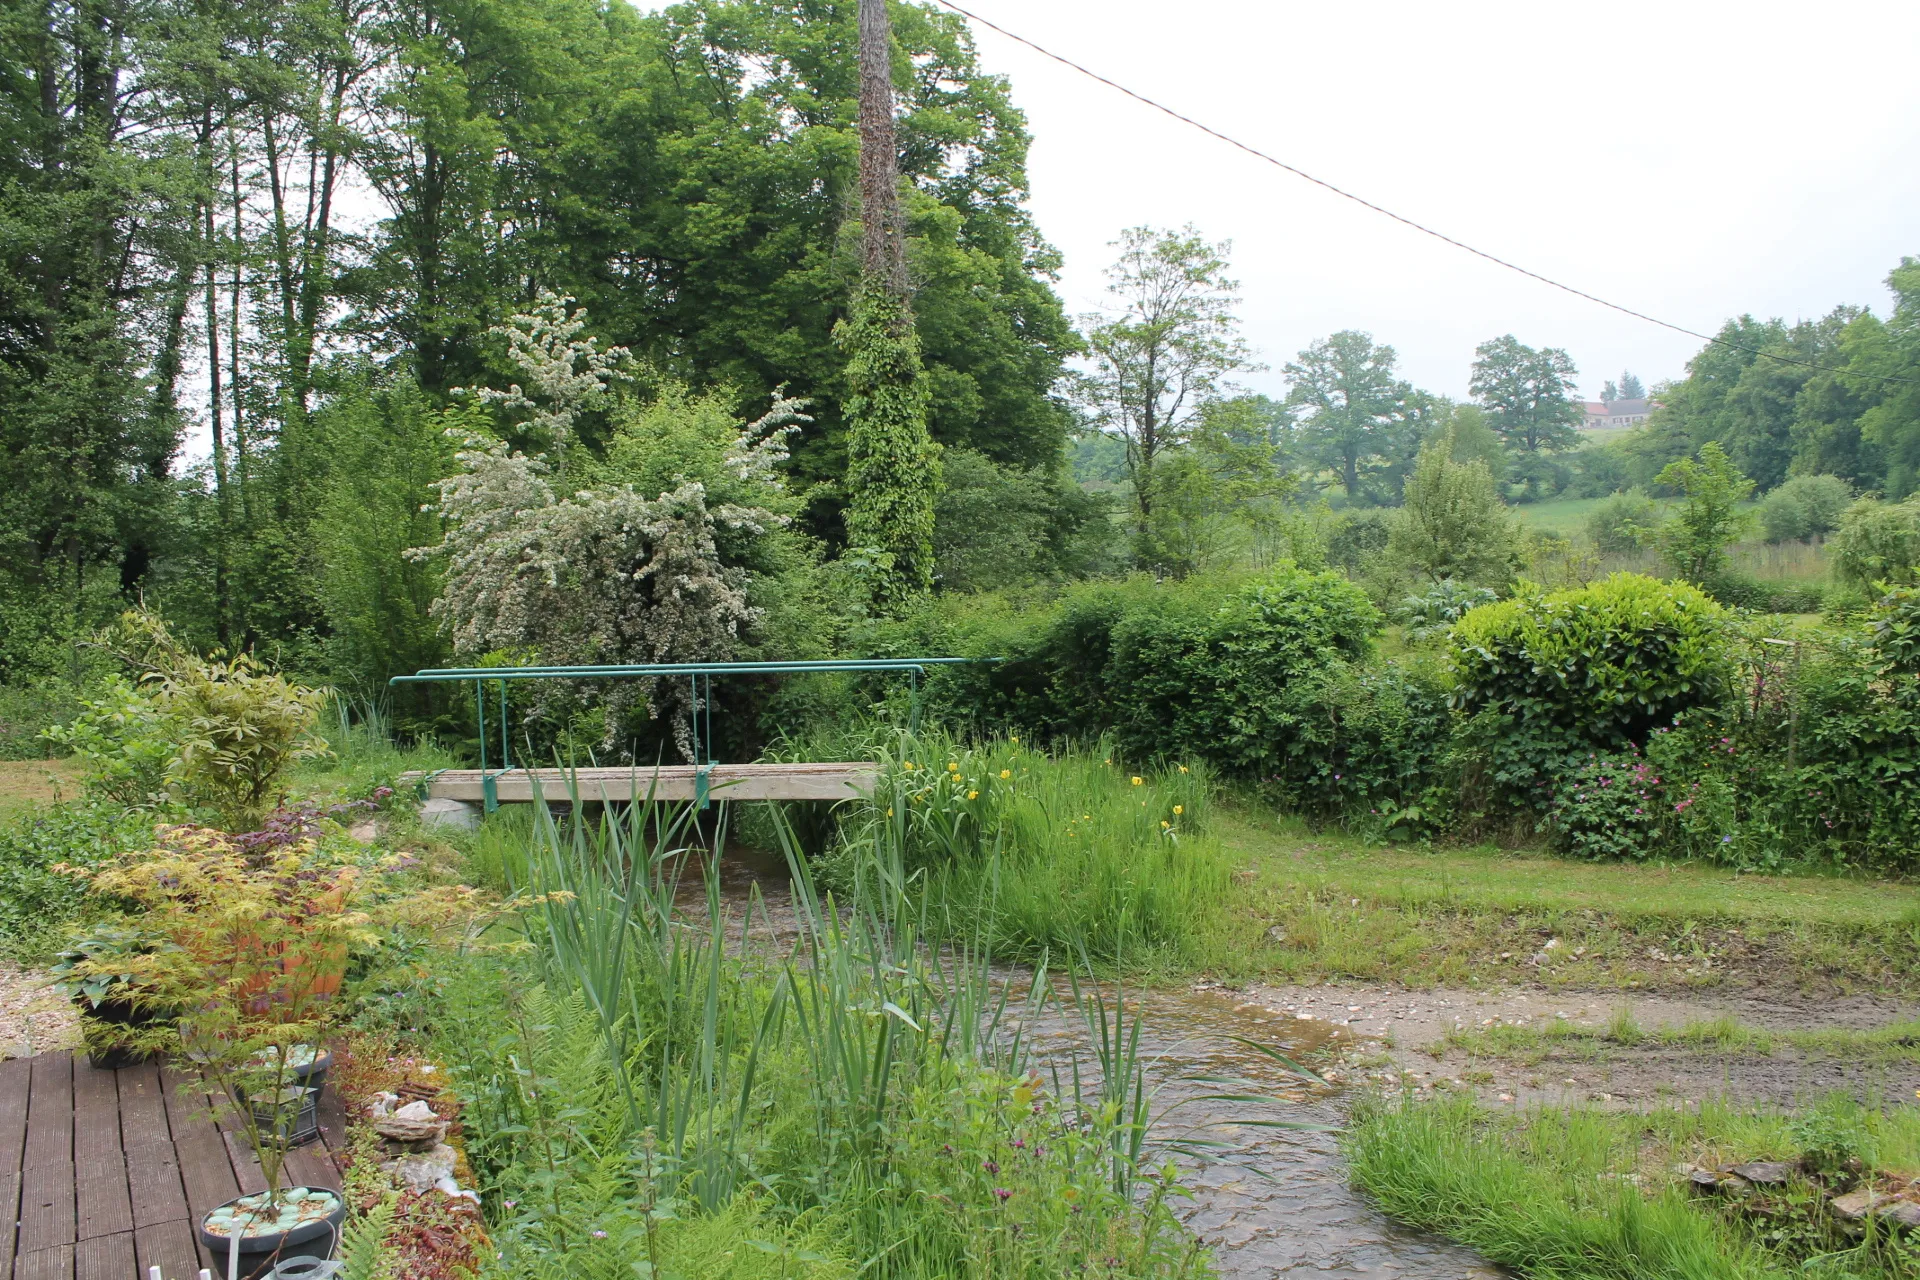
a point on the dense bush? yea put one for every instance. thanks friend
(1549, 679)
(1624, 523)
(1172, 672)
(1805, 507)
(1878, 542)
(1372, 745)
(37, 895)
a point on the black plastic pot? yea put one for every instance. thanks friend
(103, 1028)
(258, 1254)
(295, 1119)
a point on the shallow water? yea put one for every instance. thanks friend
(1277, 1203)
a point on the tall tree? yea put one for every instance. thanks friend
(1609, 392)
(1358, 416)
(1169, 350)
(1452, 523)
(1631, 388)
(893, 468)
(1529, 395)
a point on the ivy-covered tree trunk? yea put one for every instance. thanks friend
(892, 463)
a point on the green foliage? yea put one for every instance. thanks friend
(1062, 853)
(1221, 497)
(996, 527)
(236, 728)
(124, 743)
(893, 468)
(1805, 507)
(1625, 523)
(1610, 806)
(1359, 419)
(1528, 396)
(37, 895)
(1709, 518)
(1434, 612)
(1551, 678)
(1372, 746)
(389, 451)
(637, 1090)
(1452, 524)
(1878, 542)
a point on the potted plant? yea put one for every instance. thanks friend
(250, 949)
(96, 972)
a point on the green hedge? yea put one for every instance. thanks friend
(1196, 670)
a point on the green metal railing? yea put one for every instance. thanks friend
(699, 687)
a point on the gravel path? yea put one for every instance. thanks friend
(33, 1019)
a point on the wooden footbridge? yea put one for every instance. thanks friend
(502, 782)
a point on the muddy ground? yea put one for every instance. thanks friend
(1394, 1038)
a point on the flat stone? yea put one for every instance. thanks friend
(1855, 1204)
(421, 1172)
(1769, 1173)
(461, 815)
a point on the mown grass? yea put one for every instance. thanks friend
(1584, 1194)
(1332, 907)
(1896, 1042)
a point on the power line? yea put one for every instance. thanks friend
(1403, 220)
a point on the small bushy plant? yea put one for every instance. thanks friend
(1625, 523)
(1878, 542)
(1611, 806)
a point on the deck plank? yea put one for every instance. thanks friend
(50, 1113)
(106, 1258)
(96, 1109)
(171, 1246)
(9, 1219)
(205, 1166)
(102, 1202)
(46, 1210)
(54, 1263)
(15, 1077)
(814, 781)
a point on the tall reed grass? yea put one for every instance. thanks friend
(862, 1103)
(1068, 853)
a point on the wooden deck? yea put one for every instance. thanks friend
(102, 1173)
(667, 782)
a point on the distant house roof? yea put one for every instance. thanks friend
(1625, 408)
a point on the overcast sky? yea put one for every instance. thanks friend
(1690, 159)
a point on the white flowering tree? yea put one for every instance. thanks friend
(608, 573)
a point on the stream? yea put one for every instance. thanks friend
(1277, 1203)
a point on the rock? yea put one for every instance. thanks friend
(1769, 1173)
(1855, 1204)
(365, 832)
(461, 815)
(1703, 1179)
(413, 1126)
(1276, 934)
(418, 1173)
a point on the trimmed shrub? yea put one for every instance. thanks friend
(1170, 670)
(1549, 679)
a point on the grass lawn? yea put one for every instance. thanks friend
(27, 783)
(1557, 515)
(1329, 906)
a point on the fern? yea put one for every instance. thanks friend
(363, 1243)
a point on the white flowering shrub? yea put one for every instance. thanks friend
(610, 573)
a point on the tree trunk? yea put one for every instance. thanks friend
(884, 237)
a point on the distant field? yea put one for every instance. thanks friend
(1559, 515)
(1792, 561)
